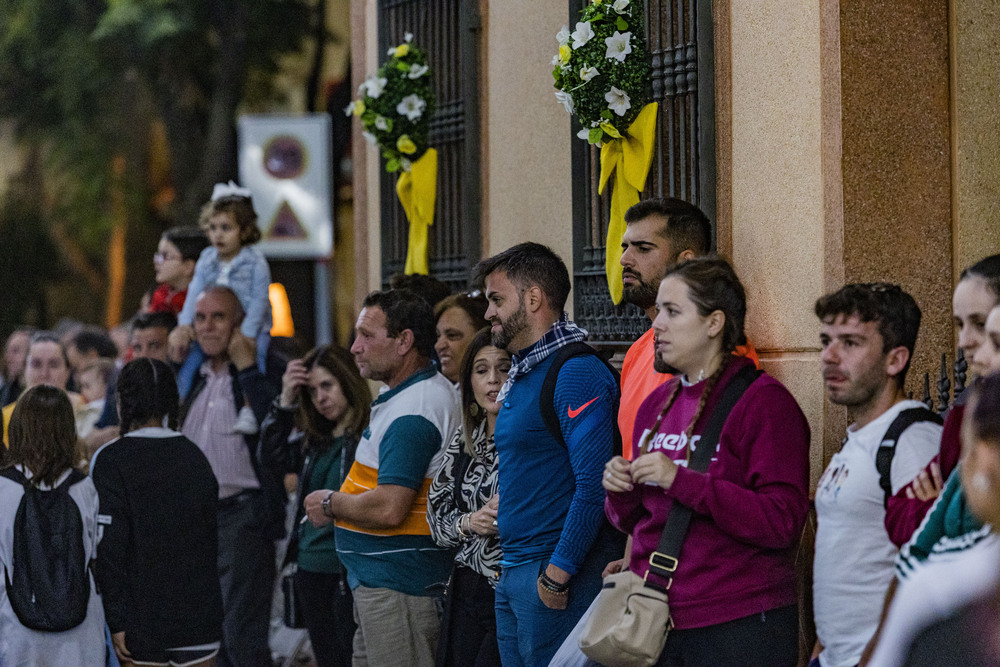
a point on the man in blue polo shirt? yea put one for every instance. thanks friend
(393, 566)
(551, 500)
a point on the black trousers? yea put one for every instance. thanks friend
(767, 639)
(328, 612)
(469, 627)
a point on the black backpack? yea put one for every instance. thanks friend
(547, 397)
(50, 587)
(887, 448)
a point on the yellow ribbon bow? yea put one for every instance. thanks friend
(417, 190)
(629, 158)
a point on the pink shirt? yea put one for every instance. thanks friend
(209, 424)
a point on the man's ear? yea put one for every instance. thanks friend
(896, 360)
(534, 299)
(404, 342)
(685, 256)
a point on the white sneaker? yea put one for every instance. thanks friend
(246, 422)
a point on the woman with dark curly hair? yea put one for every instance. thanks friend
(325, 396)
(157, 560)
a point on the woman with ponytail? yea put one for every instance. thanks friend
(733, 594)
(157, 558)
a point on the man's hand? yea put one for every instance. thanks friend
(242, 351)
(179, 342)
(549, 599)
(614, 567)
(926, 487)
(314, 508)
(118, 641)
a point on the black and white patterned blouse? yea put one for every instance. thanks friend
(445, 505)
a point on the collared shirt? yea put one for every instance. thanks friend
(209, 424)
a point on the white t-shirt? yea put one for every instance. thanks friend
(933, 593)
(854, 556)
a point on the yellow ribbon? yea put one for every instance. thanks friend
(417, 190)
(629, 158)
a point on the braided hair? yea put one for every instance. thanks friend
(712, 286)
(147, 390)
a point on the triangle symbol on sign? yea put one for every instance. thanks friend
(285, 224)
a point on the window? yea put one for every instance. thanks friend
(448, 30)
(681, 43)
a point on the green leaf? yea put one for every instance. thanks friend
(594, 135)
(402, 67)
(393, 165)
(607, 115)
(621, 24)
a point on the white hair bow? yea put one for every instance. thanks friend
(229, 190)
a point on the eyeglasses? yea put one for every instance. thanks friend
(159, 258)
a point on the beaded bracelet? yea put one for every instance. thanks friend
(551, 585)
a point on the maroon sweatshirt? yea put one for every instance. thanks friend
(749, 507)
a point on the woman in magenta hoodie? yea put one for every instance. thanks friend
(733, 595)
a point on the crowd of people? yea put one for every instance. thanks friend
(504, 479)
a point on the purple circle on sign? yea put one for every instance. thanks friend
(284, 157)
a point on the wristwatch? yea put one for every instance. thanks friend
(325, 505)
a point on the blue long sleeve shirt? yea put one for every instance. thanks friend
(551, 498)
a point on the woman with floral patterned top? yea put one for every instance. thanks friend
(462, 512)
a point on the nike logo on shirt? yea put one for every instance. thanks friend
(573, 413)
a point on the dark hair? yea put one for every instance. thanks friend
(428, 288)
(472, 414)
(685, 226)
(242, 211)
(48, 337)
(988, 269)
(93, 338)
(42, 434)
(188, 240)
(162, 319)
(474, 306)
(985, 416)
(341, 366)
(147, 390)
(895, 312)
(405, 310)
(713, 285)
(527, 265)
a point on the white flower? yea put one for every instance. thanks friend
(416, 71)
(582, 34)
(620, 6)
(369, 137)
(411, 106)
(556, 60)
(382, 123)
(566, 99)
(619, 46)
(588, 73)
(406, 165)
(563, 36)
(583, 134)
(349, 109)
(373, 87)
(617, 101)
(408, 36)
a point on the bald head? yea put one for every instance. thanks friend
(217, 315)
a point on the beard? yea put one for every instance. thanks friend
(641, 294)
(510, 328)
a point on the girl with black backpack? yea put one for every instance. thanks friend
(50, 612)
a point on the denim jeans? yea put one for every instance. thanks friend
(528, 632)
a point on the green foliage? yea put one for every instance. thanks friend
(609, 38)
(396, 106)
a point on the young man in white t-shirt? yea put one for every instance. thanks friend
(868, 334)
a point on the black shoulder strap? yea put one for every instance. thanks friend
(887, 448)
(663, 561)
(547, 396)
(14, 475)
